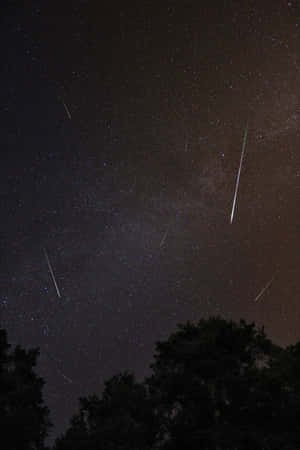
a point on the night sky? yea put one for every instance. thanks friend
(121, 136)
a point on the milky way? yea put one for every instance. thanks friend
(123, 128)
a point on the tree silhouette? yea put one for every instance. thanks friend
(215, 385)
(122, 419)
(24, 418)
(222, 385)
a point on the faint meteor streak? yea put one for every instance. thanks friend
(52, 274)
(264, 289)
(58, 369)
(164, 237)
(67, 110)
(239, 173)
(186, 145)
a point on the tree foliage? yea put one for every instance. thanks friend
(219, 384)
(24, 419)
(122, 419)
(215, 385)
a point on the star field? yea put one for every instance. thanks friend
(122, 130)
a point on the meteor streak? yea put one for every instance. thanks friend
(186, 145)
(69, 380)
(52, 274)
(264, 289)
(239, 173)
(67, 110)
(164, 237)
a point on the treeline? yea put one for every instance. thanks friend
(214, 385)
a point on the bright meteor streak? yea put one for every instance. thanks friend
(52, 274)
(239, 173)
(264, 289)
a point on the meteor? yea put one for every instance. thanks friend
(239, 173)
(52, 274)
(68, 379)
(164, 237)
(67, 110)
(264, 289)
(186, 145)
